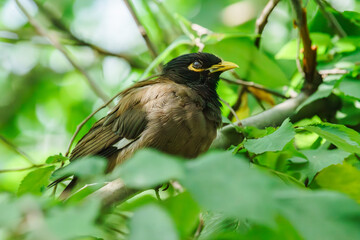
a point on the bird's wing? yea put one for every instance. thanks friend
(123, 124)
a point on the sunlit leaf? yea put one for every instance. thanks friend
(344, 138)
(319, 159)
(273, 142)
(350, 87)
(36, 181)
(341, 177)
(56, 158)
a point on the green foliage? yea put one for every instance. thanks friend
(36, 181)
(272, 142)
(300, 180)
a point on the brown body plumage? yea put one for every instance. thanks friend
(177, 113)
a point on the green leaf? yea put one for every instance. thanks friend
(56, 158)
(185, 213)
(223, 183)
(333, 215)
(341, 177)
(10, 212)
(344, 138)
(35, 182)
(320, 159)
(74, 221)
(273, 142)
(350, 87)
(289, 50)
(149, 168)
(83, 167)
(152, 222)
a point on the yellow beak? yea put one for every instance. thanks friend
(222, 67)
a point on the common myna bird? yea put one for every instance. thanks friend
(177, 113)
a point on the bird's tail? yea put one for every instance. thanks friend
(66, 193)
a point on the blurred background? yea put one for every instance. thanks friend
(43, 98)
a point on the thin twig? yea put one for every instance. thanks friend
(238, 102)
(332, 20)
(258, 100)
(262, 20)
(62, 27)
(78, 128)
(142, 30)
(297, 60)
(18, 150)
(254, 85)
(54, 41)
(334, 71)
(21, 169)
(231, 109)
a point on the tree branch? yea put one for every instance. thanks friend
(254, 85)
(113, 192)
(21, 169)
(332, 20)
(142, 30)
(263, 19)
(312, 77)
(18, 151)
(62, 27)
(54, 41)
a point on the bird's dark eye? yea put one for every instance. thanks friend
(197, 65)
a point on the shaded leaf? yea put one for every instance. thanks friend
(153, 223)
(149, 168)
(74, 221)
(83, 167)
(185, 213)
(319, 159)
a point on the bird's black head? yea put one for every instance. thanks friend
(197, 70)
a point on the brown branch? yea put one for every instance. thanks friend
(332, 20)
(254, 85)
(20, 169)
(113, 192)
(54, 41)
(62, 27)
(18, 150)
(142, 30)
(263, 19)
(312, 77)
